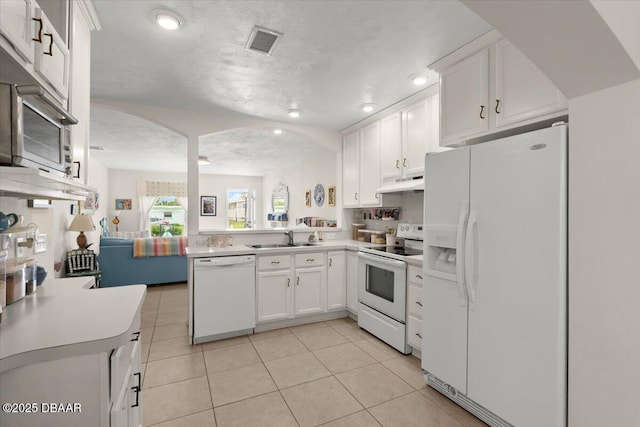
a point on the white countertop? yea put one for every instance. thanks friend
(65, 318)
(327, 245)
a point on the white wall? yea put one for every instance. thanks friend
(301, 177)
(604, 258)
(217, 185)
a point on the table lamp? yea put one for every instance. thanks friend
(82, 223)
(116, 220)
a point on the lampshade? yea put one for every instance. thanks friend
(82, 223)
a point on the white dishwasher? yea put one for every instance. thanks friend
(224, 297)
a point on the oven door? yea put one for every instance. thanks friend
(383, 285)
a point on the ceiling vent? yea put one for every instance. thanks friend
(96, 148)
(263, 40)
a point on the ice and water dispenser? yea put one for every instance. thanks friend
(441, 252)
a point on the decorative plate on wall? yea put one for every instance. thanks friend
(318, 194)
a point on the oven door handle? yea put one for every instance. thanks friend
(382, 260)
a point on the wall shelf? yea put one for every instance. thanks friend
(27, 183)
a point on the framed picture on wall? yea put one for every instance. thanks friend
(331, 195)
(123, 204)
(208, 205)
(307, 198)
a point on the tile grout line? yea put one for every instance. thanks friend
(275, 384)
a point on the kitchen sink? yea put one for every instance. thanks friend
(280, 245)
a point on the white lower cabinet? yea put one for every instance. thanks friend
(273, 295)
(336, 280)
(309, 288)
(352, 281)
(291, 285)
(414, 307)
(99, 389)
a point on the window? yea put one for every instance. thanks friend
(167, 217)
(241, 208)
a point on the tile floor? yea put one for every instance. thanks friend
(328, 373)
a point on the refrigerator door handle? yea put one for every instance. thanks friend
(460, 257)
(470, 258)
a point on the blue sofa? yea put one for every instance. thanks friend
(119, 267)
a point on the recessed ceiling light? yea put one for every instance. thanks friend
(367, 108)
(277, 131)
(418, 79)
(167, 19)
(293, 113)
(203, 160)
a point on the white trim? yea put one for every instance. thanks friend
(476, 45)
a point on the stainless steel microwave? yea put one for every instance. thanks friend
(34, 130)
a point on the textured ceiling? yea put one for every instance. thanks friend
(333, 57)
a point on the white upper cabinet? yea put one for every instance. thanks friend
(361, 173)
(52, 57)
(489, 86)
(370, 165)
(30, 39)
(421, 135)
(18, 27)
(464, 102)
(350, 170)
(391, 147)
(521, 90)
(406, 136)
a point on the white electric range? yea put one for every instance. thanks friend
(382, 287)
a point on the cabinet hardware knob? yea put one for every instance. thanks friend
(377, 195)
(404, 162)
(136, 336)
(298, 281)
(356, 195)
(288, 281)
(419, 276)
(50, 53)
(482, 112)
(275, 262)
(39, 38)
(330, 262)
(419, 303)
(310, 259)
(397, 164)
(497, 106)
(419, 336)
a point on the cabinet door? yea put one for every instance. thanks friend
(391, 147)
(336, 280)
(350, 170)
(309, 289)
(120, 408)
(464, 98)
(370, 165)
(135, 388)
(80, 88)
(522, 91)
(52, 57)
(17, 26)
(274, 295)
(414, 332)
(352, 281)
(416, 138)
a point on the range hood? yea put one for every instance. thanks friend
(411, 184)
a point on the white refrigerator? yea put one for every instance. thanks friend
(495, 287)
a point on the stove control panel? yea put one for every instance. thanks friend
(411, 231)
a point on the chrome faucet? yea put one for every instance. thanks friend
(289, 234)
